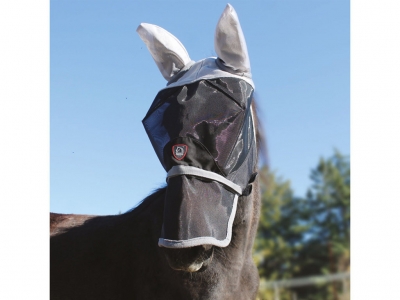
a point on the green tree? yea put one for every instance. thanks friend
(327, 243)
(280, 231)
(329, 198)
(305, 237)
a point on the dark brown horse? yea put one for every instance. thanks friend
(122, 256)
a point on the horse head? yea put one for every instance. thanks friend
(202, 128)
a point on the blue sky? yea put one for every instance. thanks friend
(103, 80)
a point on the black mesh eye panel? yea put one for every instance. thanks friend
(210, 111)
(242, 146)
(239, 90)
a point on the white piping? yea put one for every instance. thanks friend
(188, 170)
(252, 119)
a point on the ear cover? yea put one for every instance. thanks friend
(167, 51)
(230, 45)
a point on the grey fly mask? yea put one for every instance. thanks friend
(201, 126)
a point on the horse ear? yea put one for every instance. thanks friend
(167, 51)
(230, 45)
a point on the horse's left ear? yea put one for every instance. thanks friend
(230, 45)
(167, 51)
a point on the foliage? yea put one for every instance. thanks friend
(299, 237)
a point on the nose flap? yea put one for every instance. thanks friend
(197, 211)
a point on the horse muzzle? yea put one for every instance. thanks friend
(191, 259)
(197, 212)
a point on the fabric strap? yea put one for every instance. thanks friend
(188, 170)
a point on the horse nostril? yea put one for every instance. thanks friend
(206, 247)
(189, 259)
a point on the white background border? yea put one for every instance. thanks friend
(24, 149)
(375, 149)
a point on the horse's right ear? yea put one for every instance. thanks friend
(167, 51)
(230, 44)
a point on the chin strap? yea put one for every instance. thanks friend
(249, 187)
(188, 170)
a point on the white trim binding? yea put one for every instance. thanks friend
(188, 170)
(252, 120)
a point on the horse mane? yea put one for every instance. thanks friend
(262, 153)
(147, 202)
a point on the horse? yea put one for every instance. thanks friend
(193, 238)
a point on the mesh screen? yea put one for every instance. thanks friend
(212, 112)
(194, 209)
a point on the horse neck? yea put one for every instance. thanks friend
(245, 225)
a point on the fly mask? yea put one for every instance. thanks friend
(201, 126)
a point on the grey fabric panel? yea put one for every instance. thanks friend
(205, 69)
